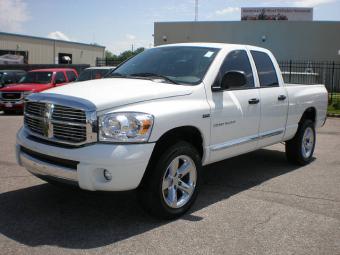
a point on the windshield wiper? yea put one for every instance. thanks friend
(154, 75)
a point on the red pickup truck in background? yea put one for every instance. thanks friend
(12, 97)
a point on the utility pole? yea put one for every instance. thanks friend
(196, 10)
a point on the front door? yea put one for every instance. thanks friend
(235, 112)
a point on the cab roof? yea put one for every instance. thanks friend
(215, 45)
(52, 70)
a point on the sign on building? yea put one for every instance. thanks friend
(284, 13)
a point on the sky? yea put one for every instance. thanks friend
(119, 24)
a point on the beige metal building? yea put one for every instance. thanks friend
(288, 40)
(18, 49)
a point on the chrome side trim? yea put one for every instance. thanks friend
(245, 140)
(41, 168)
(270, 134)
(233, 143)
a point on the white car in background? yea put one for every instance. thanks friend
(163, 115)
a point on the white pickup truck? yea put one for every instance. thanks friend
(164, 114)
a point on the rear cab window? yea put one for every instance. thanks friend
(265, 69)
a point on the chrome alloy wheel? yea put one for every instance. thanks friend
(179, 181)
(308, 142)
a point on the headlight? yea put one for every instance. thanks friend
(125, 127)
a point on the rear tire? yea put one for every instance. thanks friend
(172, 183)
(300, 149)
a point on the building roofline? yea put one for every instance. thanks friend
(252, 21)
(51, 40)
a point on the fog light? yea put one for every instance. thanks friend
(107, 175)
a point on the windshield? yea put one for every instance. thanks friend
(37, 77)
(180, 64)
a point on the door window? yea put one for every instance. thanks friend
(60, 77)
(265, 69)
(238, 61)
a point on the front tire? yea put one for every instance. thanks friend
(171, 186)
(300, 149)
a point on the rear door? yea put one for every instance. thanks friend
(235, 115)
(274, 99)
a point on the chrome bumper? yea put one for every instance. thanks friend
(44, 169)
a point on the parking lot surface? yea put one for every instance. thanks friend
(257, 203)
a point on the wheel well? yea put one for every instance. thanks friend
(309, 114)
(189, 134)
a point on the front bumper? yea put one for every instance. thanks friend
(11, 105)
(126, 163)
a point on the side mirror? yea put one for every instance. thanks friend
(231, 80)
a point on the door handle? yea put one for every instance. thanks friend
(254, 101)
(281, 97)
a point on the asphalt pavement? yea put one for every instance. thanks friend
(256, 203)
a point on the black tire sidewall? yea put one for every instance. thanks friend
(306, 124)
(154, 185)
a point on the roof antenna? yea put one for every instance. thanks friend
(196, 10)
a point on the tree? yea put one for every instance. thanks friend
(108, 54)
(123, 56)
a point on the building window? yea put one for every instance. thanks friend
(14, 57)
(65, 58)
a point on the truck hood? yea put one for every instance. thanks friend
(113, 92)
(34, 87)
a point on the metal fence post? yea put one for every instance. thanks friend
(332, 82)
(290, 71)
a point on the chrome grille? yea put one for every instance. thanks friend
(68, 114)
(35, 125)
(69, 133)
(60, 123)
(11, 95)
(35, 108)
